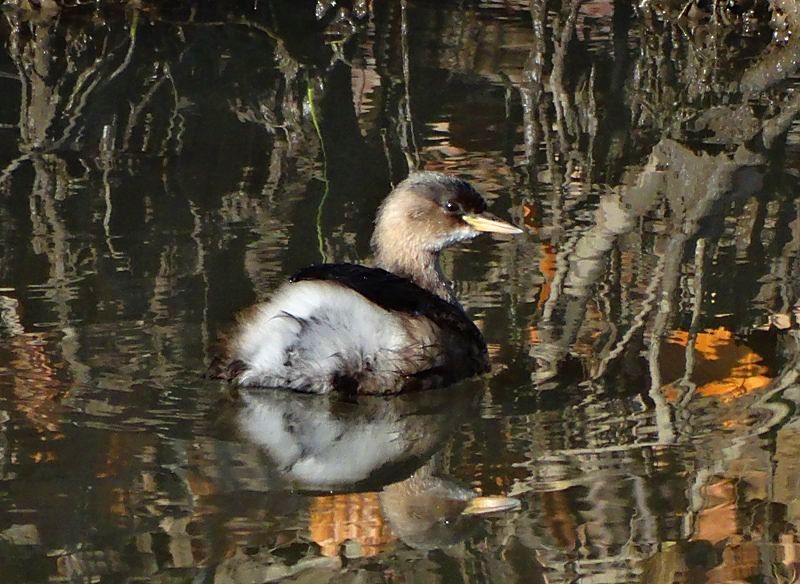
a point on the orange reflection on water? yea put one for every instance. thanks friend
(356, 517)
(36, 386)
(560, 519)
(547, 267)
(717, 521)
(724, 367)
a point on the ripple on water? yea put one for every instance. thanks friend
(637, 406)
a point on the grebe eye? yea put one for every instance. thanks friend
(452, 206)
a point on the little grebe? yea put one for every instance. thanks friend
(374, 330)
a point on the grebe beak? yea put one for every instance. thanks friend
(493, 504)
(491, 224)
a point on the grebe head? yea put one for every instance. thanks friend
(426, 213)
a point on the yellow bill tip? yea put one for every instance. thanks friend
(491, 224)
(494, 504)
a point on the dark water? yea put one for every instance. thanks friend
(165, 165)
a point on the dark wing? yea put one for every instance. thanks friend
(393, 292)
(383, 288)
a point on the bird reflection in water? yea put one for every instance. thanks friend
(378, 461)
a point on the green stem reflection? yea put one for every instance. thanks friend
(315, 121)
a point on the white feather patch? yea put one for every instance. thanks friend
(319, 449)
(312, 331)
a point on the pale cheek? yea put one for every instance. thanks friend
(455, 236)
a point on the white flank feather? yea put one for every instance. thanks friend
(313, 332)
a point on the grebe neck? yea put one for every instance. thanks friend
(422, 268)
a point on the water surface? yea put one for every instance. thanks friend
(164, 165)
